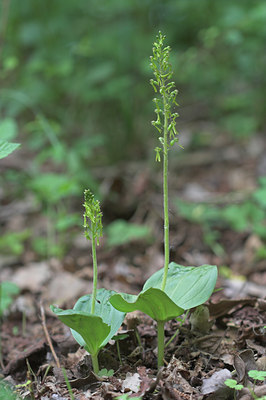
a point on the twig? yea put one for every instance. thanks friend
(48, 337)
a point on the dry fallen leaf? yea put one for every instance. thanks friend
(216, 381)
(131, 383)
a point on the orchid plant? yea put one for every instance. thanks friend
(174, 288)
(93, 320)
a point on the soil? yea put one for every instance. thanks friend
(36, 346)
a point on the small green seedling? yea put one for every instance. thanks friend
(106, 372)
(257, 376)
(232, 383)
(254, 374)
(174, 288)
(126, 396)
(93, 320)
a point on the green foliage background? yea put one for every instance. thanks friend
(75, 76)
(84, 66)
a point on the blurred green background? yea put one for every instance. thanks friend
(75, 86)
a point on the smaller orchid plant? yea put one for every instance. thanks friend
(93, 320)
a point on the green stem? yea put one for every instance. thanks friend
(178, 329)
(173, 337)
(160, 338)
(95, 273)
(138, 337)
(69, 388)
(165, 193)
(95, 364)
(118, 352)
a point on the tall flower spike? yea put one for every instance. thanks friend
(92, 217)
(165, 123)
(93, 230)
(166, 118)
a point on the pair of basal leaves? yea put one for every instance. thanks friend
(186, 287)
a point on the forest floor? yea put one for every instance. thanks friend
(199, 359)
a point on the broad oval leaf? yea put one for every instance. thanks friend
(92, 331)
(175, 271)
(104, 309)
(187, 287)
(153, 302)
